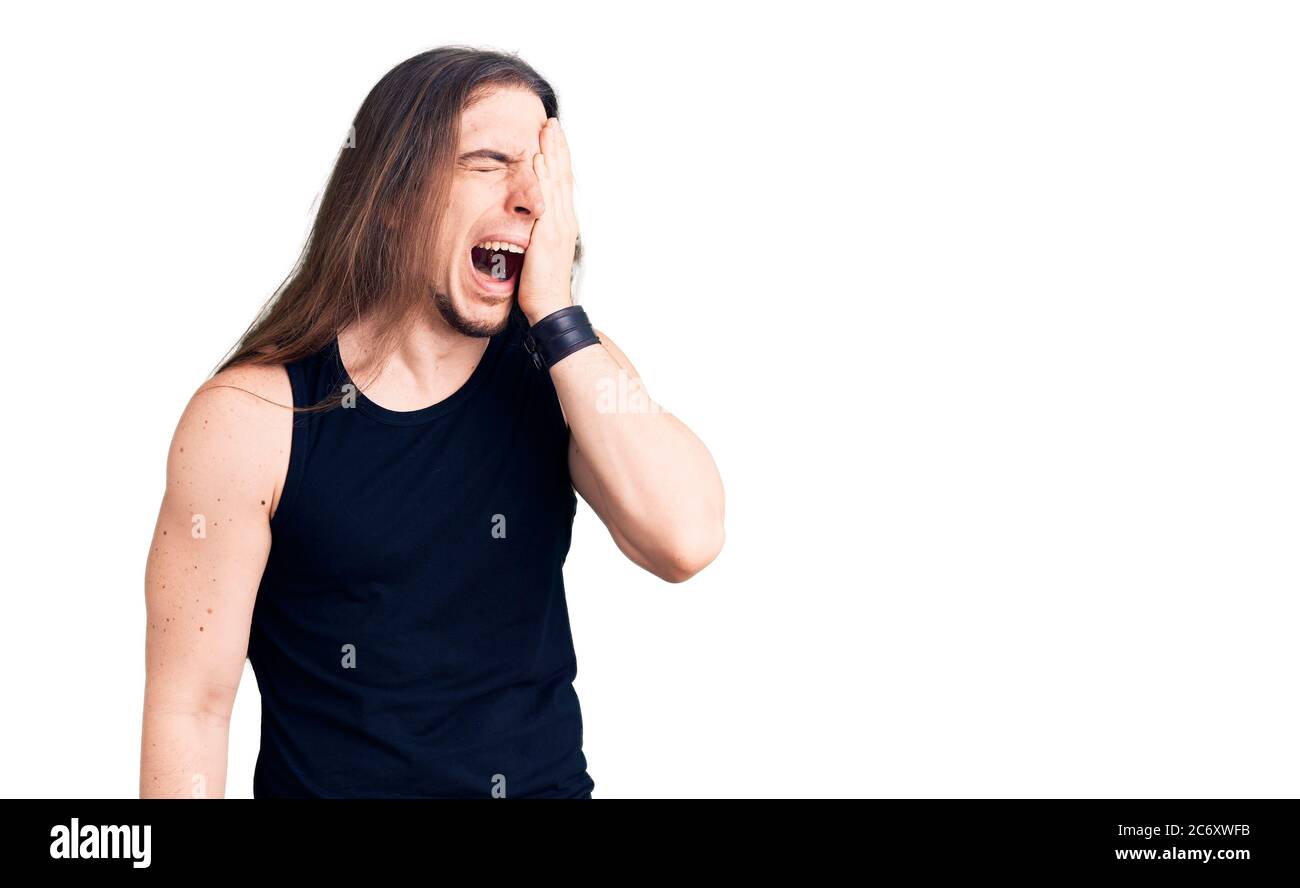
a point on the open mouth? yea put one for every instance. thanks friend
(500, 262)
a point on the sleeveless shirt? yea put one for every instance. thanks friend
(410, 636)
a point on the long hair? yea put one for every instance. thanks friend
(369, 251)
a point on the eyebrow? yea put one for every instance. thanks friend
(489, 154)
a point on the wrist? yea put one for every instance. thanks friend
(557, 335)
(536, 313)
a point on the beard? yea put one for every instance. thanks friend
(463, 325)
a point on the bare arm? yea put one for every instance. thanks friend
(224, 471)
(649, 478)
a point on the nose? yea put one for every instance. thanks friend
(526, 197)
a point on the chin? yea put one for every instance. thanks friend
(487, 315)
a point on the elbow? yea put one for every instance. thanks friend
(690, 554)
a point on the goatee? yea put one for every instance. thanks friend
(462, 324)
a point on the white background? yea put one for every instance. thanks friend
(992, 323)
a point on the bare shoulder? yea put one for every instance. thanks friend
(235, 433)
(246, 389)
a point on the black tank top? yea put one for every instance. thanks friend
(410, 636)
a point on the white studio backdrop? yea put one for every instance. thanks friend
(993, 322)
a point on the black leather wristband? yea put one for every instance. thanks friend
(558, 335)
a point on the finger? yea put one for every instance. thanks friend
(557, 181)
(547, 138)
(557, 153)
(563, 190)
(543, 181)
(557, 149)
(563, 161)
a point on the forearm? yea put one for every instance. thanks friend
(183, 751)
(652, 481)
(660, 486)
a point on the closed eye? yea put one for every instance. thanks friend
(491, 170)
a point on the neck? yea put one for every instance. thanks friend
(429, 363)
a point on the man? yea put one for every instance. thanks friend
(388, 553)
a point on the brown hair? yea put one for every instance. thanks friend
(368, 253)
